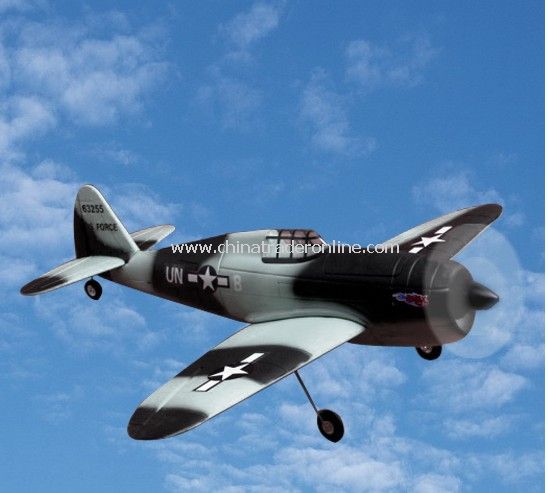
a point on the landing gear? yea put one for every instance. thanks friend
(429, 352)
(329, 423)
(93, 289)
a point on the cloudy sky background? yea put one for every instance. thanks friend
(359, 121)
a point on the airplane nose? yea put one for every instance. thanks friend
(481, 297)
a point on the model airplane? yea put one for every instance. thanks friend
(299, 299)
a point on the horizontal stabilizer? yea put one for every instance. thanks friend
(148, 237)
(70, 272)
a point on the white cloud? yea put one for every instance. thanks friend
(113, 153)
(351, 369)
(109, 325)
(159, 372)
(20, 5)
(381, 462)
(56, 407)
(15, 271)
(231, 100)
(94, 80)
(246, 28)
(51, 70)
(434, 483)
(524, 356)
(227, 96)
(138, 207)
(13, 337)
(324, 111)
(347, 469)
(511, 467)
(371, 66)
(534, 287)
(5, 69)
(37, 210)
(461, 386)
(297, 469)
(23, 117)
(453, 190)
(196, 324)
(488, 427)
(515, 220)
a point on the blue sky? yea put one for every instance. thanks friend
(357, 119)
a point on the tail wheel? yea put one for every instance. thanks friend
(93, 289)
(330, 425)
(429, 352)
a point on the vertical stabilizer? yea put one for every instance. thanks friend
(97, 229)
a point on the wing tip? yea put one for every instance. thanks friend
(490, 211)
(27, 289)
(150, 424)
(495, 208)
(490, 206)
(41, 285)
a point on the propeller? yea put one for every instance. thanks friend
(481, 297)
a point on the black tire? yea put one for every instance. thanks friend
(429, 352)
(93, 289)
(330, 425)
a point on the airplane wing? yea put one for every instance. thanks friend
(70, 272)
(447, 235)
(148, 237)
(250, 360)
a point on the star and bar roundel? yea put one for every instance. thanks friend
(229, 372)
(427, 240)
(208, 279)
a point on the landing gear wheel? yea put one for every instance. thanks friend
(330, 425)
(93, 289)
(429, 352)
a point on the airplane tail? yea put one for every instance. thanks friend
(100, 240)
(97, 229)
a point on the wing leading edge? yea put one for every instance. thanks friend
(250, 360)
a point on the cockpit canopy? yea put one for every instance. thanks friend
(292, 245)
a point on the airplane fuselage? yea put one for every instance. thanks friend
(402, 299)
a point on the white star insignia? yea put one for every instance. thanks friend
(229, 371)
(426, 240)
(207, 279)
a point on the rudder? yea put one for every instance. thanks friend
(97, 229)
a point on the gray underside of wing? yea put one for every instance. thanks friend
(251, 360)
(450, 233)
(71, 272)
